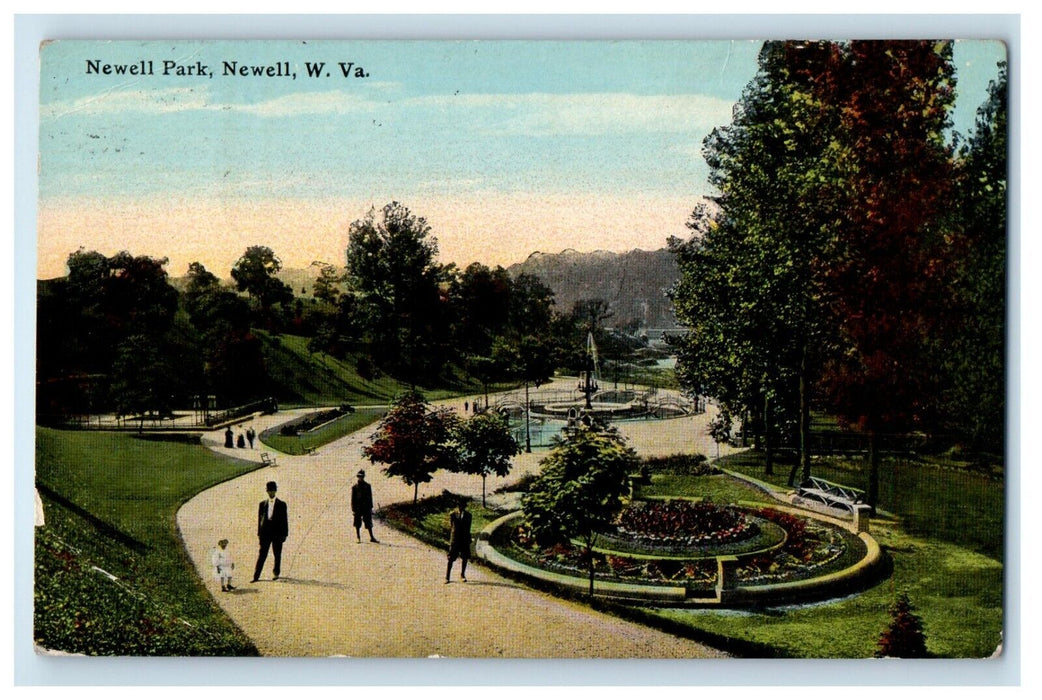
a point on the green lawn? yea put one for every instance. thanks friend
(932, 499)
(303, 378)
(110, 501)
(345, 425)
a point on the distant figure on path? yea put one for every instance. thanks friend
(223, 565)
(228, 437)
(250, 436)
(459, 540)
(241, 442)
(272, 530)
(466, 406)
(362, 506)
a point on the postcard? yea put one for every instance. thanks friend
(521, 349)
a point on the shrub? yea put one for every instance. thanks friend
(904, 638)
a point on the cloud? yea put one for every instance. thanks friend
(594, 114)
(531, 114)
(185, 99)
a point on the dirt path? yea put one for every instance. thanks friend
(340, 598)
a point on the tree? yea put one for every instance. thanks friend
(974, 349)
(579, 489)
(142, 379)
(887, 281)
(480, 297)
(751, 272)
(414, 441)
(485, 447)
(255, 273)
(904, 638)
(392, 264)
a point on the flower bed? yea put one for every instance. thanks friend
(313, 420)
(684, 523)
(812, 549)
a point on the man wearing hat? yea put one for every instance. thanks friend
(272, 530)
(362, 506)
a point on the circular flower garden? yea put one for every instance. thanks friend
(678, 542)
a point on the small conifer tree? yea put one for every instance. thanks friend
(904, 638)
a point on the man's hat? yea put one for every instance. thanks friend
(361, 472)
(272, 486)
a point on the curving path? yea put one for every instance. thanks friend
(340, 598)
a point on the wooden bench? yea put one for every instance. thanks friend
(831, 494)
(267, 460)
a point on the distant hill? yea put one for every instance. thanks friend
(634, 284)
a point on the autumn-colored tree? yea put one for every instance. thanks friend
(904, 638)
(414, 441)
(886, 275)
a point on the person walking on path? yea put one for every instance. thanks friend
(251, 435)
(459, 540)
(223, 565)
(272, 530)
(362, 506)
(241, 442)
(229, 437)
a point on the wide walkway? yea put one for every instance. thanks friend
(340, 598)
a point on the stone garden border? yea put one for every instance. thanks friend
(728, 594)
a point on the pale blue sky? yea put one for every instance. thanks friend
(605, 136)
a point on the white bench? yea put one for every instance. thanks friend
(267, 460)
(831, 494)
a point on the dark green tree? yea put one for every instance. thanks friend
(255, 273)
(580, 489)
(485, 446)
(973, 351)
(750, 286)
(392, 264)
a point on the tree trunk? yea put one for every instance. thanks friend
(589, 552)
(416, 492)
(528, 430)
(483, 490)
(873, 470)
(804, 416)
(767, 454)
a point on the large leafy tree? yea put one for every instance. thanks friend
(888, 272)
(484, 446)
(580, 489)
(87, 317)
(255, 273)
(750, 284)
(414, 441)
(973, 351)
(392, 264)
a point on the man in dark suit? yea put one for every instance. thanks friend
(362, 507)
(272, 530)
(459, 539)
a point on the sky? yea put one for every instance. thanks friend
(167, 149)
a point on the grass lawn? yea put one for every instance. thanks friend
(110, 501)
(932, 500)
(955, 588)
(945, 542)
(334, 430)
(304, 378)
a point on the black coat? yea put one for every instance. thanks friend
(277, 527)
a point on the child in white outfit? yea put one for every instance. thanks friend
(223, 565)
